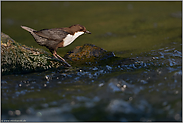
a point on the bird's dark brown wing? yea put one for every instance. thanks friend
(56, 34)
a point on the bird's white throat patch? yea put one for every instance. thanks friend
(70, 38)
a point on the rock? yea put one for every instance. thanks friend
(88, 54)
(17, 58)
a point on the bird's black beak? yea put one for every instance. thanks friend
(88, 32)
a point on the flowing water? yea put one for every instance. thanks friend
(148, 90)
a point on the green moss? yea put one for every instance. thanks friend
(16, 58)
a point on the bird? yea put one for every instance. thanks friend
(57, 37)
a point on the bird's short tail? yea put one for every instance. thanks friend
(28, 29)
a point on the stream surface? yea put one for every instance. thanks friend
(148, 90)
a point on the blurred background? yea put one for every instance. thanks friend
(122, 27)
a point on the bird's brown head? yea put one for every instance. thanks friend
(79, 28)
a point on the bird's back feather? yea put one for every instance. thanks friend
(56, 34)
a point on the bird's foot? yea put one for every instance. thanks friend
(67, 64)
(63, 61)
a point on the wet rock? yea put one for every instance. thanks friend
(88, 54)
(17, 58)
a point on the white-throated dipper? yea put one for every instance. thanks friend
(57, 37)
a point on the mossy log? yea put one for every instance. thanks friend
(17, 58)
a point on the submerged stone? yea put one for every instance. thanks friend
(17, 58)
(88, 54)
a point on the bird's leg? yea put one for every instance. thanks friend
(56, 56)
(63, 60)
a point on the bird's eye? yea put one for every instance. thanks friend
(81, 29)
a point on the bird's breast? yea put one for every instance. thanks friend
(70, 38)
